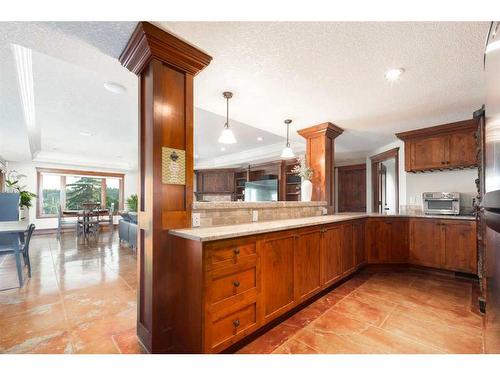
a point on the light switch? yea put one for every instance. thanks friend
(196, 219)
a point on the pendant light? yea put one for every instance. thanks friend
(287, 152)
(227, 136)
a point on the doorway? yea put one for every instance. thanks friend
(385, 181)
(352, 188)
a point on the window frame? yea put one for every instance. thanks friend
(73, 172)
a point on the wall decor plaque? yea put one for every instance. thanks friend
(173, 166)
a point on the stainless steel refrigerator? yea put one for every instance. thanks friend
(491, 200)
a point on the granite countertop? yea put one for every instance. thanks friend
(204, 234)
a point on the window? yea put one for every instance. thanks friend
(70, 189)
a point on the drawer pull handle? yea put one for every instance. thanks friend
(236, 323)
(236, 251)
(236, 283)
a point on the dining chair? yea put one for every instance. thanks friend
(65, 222)
(24, 249)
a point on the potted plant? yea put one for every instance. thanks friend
(132, 203)
(305, 174)
(25, 197)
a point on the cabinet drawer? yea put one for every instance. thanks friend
(225, 329)
(227, 253)
(230, 283)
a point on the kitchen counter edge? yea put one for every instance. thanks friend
(205, 234)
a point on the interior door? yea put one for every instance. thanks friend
(352, 188)
(383, 188)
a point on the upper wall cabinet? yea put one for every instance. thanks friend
(448, 146)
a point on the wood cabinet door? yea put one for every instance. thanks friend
(277, 265)
(377, 240)
(462, 150)
(426, 242)
(347, 256)
(399, 246)
(358, 238)
(460, 250)
(307, 263)
(429, 153)
(331, 254)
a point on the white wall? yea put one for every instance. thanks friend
(28, 169)
(462, 181)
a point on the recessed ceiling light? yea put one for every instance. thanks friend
(85, 134)
(260, 139)
(114, 87)
(223, 149)
(394, 74)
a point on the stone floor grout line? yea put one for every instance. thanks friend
(61, 297)
(324, 312)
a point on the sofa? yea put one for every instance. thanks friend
(127, 229)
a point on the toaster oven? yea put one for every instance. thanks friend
(441, 203)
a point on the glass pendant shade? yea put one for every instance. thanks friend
(227, 137)
(287, 153)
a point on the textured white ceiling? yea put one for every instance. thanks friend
(310, 72)
(314, 72)
(71, 61)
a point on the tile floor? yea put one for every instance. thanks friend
(82, 299)
(383, 312)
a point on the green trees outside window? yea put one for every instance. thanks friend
(70, 191)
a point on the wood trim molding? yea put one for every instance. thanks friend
(327, 128)
(351, 167)
(453, 127)
(79, 172)
(394, 152)
(148, 41)
(375, 161)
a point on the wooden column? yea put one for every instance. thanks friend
(165, 66)
(320, 157)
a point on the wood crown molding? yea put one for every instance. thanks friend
(149, 41)
(327, 128)
(351, 167)
(385, 155)
(439, 129)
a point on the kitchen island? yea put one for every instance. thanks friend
(236, 279)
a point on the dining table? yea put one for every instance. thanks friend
(17, 228)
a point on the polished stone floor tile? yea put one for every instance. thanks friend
(434, 333)
(386, 312)
(81, 298)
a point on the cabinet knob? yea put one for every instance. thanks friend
(236, 283)
(236, 250)
(236, 323)
(443, 162)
